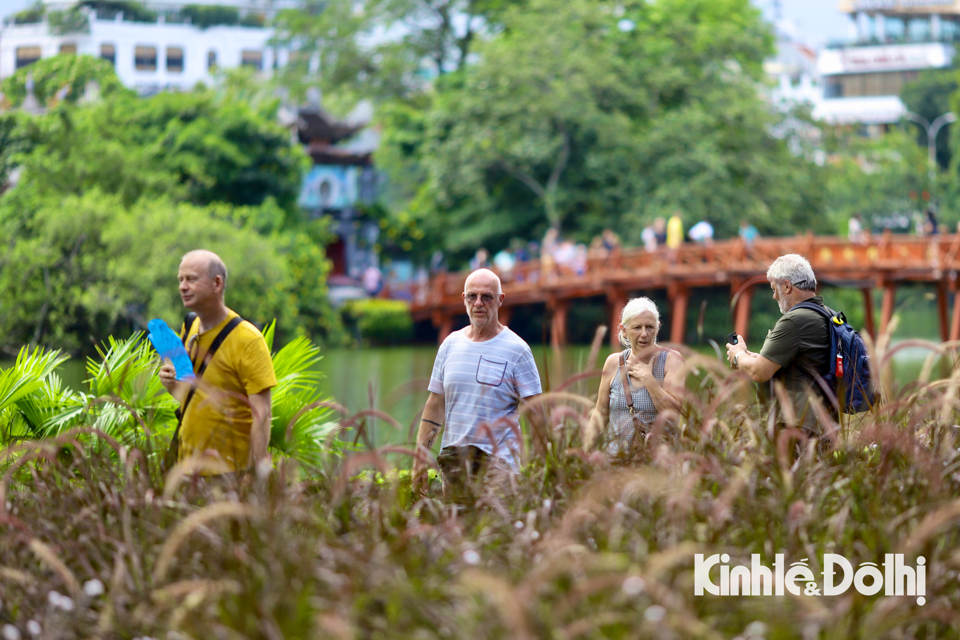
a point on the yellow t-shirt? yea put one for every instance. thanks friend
(674, 232)
(218, 418)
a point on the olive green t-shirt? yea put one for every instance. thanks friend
(800, 344)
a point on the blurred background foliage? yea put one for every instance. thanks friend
(111, 193)
(497, 120)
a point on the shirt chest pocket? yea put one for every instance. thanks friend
(490, 372)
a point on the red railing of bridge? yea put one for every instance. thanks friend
(881, 261)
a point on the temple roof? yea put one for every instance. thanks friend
(315, 126)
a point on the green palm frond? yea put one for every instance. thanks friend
(27, 374)
(126, 399)
(30, 391)
(297, 388)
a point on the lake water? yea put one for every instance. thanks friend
(394, 379)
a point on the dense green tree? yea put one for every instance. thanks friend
(589, 114)
(200, 145)
(87, 266)
(929, 97)
(111, 194)
(876, 179)
(380, 49)
(69, 73)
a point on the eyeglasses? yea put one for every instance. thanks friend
(486, 298)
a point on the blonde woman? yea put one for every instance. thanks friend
(652, 374)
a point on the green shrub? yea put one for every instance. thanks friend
(380, 321)
(132, 10)
(73, 20)
(253, 20)
(205, 17)
(30, 15)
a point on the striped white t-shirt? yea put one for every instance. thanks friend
(482, 384)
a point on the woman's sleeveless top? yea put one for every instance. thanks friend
(621, 422)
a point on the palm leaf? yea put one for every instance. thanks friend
(30, 391)
(303, 436)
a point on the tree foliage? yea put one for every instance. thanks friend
(111, 194)
(380, 49)
(70, 72)
(584, 115)
(876, 179)
(929, 97)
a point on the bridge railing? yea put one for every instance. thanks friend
(836, 256)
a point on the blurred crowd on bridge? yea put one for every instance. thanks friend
(560, 256)
(556, 257)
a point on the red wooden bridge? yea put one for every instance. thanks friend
(882, 262)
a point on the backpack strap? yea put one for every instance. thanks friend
(833, 318)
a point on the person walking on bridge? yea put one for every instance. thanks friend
(480, 376)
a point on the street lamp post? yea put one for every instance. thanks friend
(932, 129)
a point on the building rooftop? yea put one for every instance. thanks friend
(901, 8)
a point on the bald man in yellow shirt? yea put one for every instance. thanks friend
(227, 422)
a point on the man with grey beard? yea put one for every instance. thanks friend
(797, 351)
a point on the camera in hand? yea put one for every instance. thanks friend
(732, 338)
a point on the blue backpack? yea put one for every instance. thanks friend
(849, 374)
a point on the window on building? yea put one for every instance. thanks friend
(109, 53)
(918, 30)
(145, 58)
(833, 89)
(211, 60)
(893, 29)
(870, 84)
(251, 59)
(949, 30)
(68, 47)
(175, 59)
(27, 55)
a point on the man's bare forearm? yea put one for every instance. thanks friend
(431, 422)
(260, 406)
(260, 440)
(429, 430)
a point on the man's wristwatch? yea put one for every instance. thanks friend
(736, 359)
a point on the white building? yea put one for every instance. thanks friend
(794, 71)
(166, 52)
(895, 40)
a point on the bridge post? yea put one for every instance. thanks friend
(868, 320)
(444, 324)
(741, 323)
(616, 301)
(889, 298)
(679, 296)
(942, 296)
(558, 322)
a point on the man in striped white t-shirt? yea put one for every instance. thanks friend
(480, 376)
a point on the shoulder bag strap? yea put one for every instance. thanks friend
(639, 428)
(187, 325)
(233, 324)
(625, 380)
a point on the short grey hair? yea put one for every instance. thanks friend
(215, 266)
(795, 269)
(632, 309)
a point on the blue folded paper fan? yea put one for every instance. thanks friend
(168, 345)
